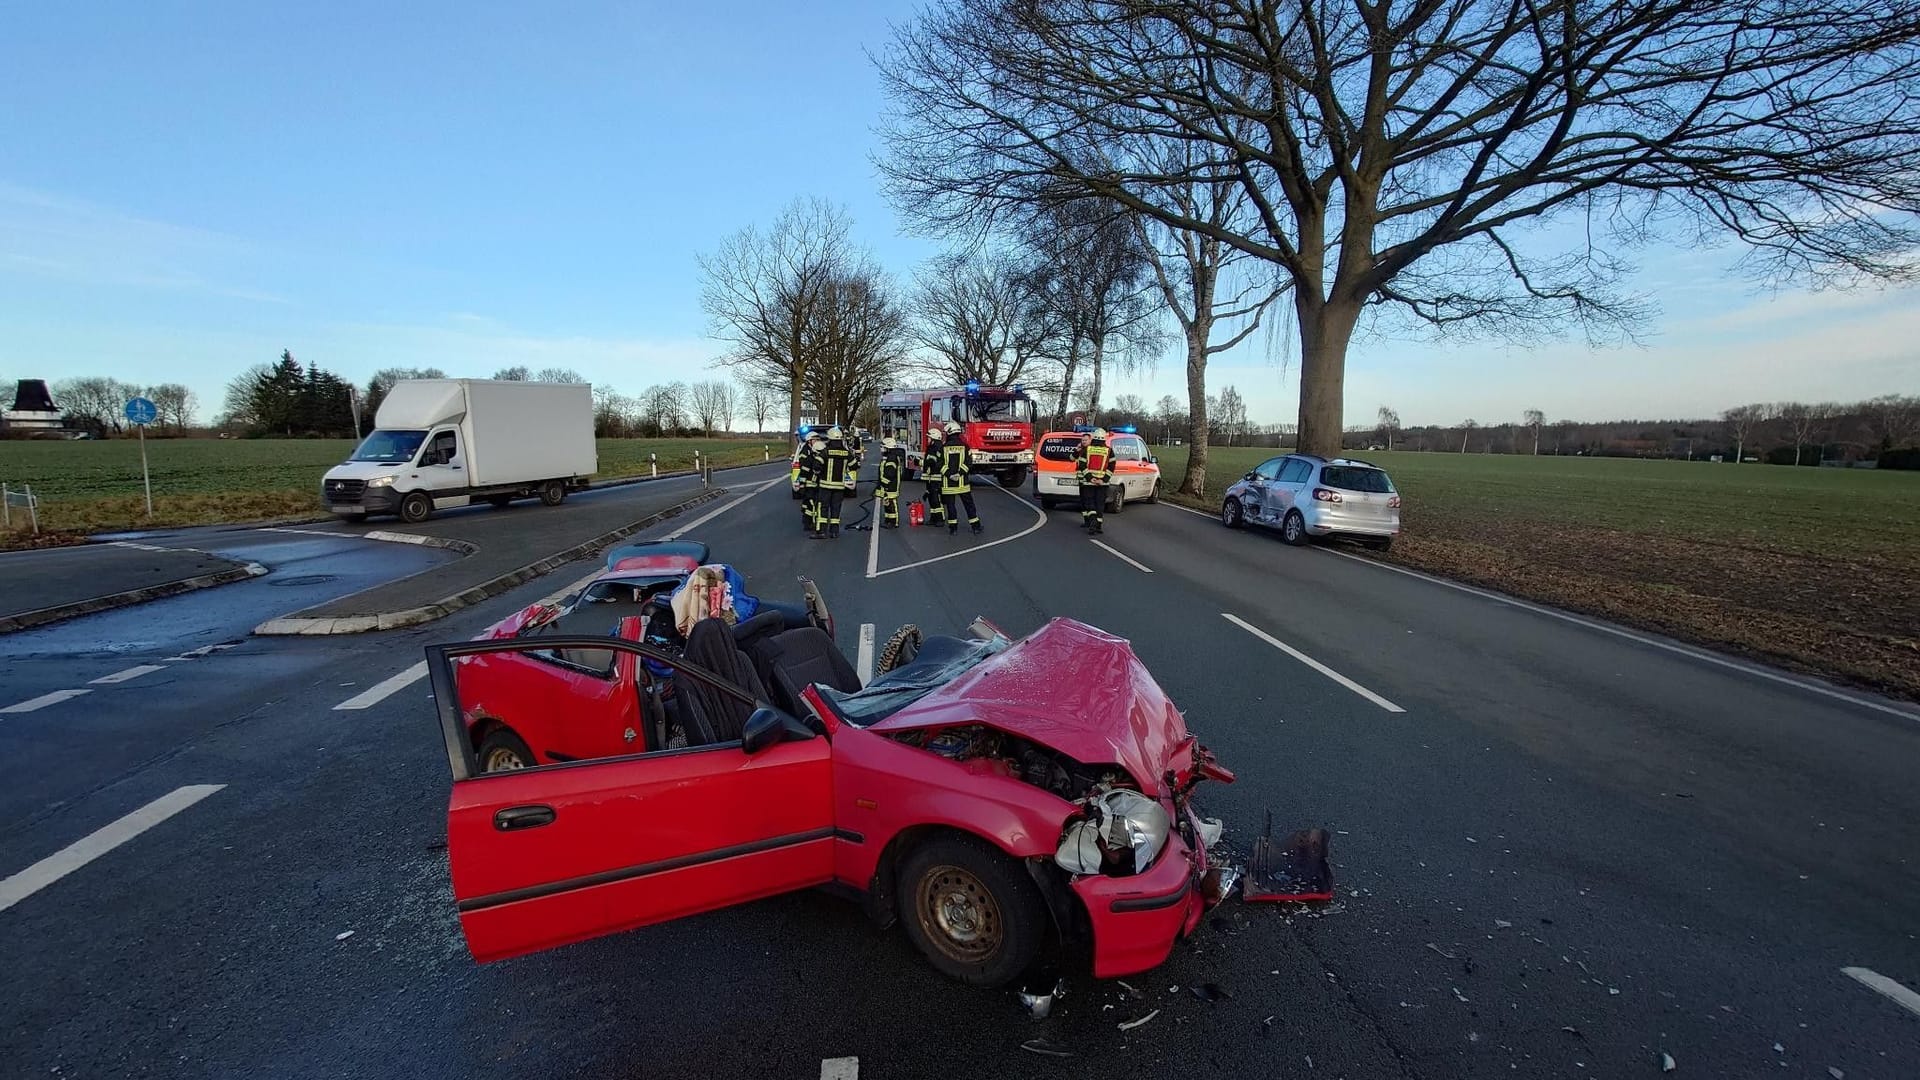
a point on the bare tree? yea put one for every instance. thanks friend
(174, 403)
(759, 399)
(1741, 422)
(516, 373)
(1394, 151)
(1804, 421)
(96, 399)
(761, 290)
(612, 412)
(237, 404)
(1894, 419)
(663, 408)
(980, 317)
(703, 399)
(1389, 421)
(1466, 430)
(558, 375)
(1233, 412)
(1165, 412)
(1534, 420)
(1097, 277)
(856, 336)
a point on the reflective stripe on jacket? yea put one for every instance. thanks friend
(953, 470)
(1095, 464)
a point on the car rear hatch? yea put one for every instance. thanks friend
(1365, 492)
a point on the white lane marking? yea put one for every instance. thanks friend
(846, 1068)
(1136, 564)
(1900, 995)
(1678, 650)
(196, 654)
(43, 701)
(873, 541)
(384, 689)
(711, 514)
(866, 653)
(1311, 662)
(1040, 519)
(99, 842)
(128, 675)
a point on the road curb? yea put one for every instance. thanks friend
(59, 612)
(307, 625)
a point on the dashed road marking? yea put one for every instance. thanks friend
(99, 842)
(127, 675)
(866, 653)
(384, 689)
(1136, 564)
(1899, 994)
(44, 700)
(711, 514)
(204, 650)
(840, 1068)
(1311, 662)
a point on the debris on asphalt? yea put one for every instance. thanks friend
(1456, 993)
(1129, 1025)
(1471, 840)
(1211, 992)
(1613, 991)
(1439, 950)
(1131, 992)
(1836, 1073)
(1038, 999)
(1778, 1049)
(1667, 1063)
(1046, 1047)
(1268, 1022)
(1173, 989)
(1295, 869)
(1309, 1058)
(1573, 1031)
(343, 935)
(1501, 924)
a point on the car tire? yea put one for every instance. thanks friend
(1153, 493)
(1382, 546)
(1293, 529)
(1116, 498)
(500, 502)
(416, 507)
(1232, 515)
(553, 493)
(972, 910)
(503, 751)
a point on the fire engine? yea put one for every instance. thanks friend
(997, 423)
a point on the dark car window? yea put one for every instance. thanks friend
(1129, 449)
(1356, 478)
(1268, 469)
(1296, 471)
(389, 446)
(1060, 447)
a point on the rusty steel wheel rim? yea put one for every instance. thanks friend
(502, 759)
(959, 915)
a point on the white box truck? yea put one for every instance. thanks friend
(440, 443)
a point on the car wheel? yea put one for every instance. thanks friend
(1116, 498)
(1294, 529)
(553, 492)
(503, 751)
(1153, 493)
(1231, 515)
(500, 501)
(972, 910)
(416, 508)
(1382, 546)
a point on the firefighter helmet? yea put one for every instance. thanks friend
(833, 432)
(953, 428)
(888, 443)
(1100, 434)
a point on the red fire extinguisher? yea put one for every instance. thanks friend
(916, 513)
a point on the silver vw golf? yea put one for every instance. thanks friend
(1305, 496)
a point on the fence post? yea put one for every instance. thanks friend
(6, 507)
(33, 509)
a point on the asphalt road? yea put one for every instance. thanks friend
(1562, 850)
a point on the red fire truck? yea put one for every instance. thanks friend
(998, 423)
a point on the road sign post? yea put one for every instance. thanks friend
(140, 413)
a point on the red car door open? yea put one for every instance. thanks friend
(546, 856)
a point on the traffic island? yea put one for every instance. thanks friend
(495, 549)
(51, 586)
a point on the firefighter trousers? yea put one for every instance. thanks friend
(936, 507)
(834, 497)
(1091, 498)
(952, 505)
(889, 507)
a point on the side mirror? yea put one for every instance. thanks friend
(1249, 476)
(769, 726)
(1151, 460)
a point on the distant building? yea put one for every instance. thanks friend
(33, 410)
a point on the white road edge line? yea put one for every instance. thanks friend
(128, 675)
(1616, 631)
(384, 689)
(97, 843)
(865, 664)
(873, 541)
(711, 514)
(842, 1068)
(1040, 520)
(44, 700)
(1873, 980)
(1136, 564)
(1311, 662)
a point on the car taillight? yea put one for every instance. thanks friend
(1394, 502)
(1323, 495)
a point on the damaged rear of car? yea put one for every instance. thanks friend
(1084, 785)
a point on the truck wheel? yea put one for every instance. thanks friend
(553, 492)
(503, 751)
(1012, 479)
(972, 910)
(416, 508)
(500, 501)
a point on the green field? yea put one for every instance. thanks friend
(93, 486)
(1817, 568)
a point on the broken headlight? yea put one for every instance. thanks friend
(1120, 826)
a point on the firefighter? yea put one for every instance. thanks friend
(954, 489)
(837, 481)
(930, 472)
(813, 469)
(893, 467)
(1094, 464)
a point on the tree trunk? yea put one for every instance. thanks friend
(1536, 442)
(1195, 482)
(1066, 387)
(796, 376)
(1796, 453)
(1464, 432)
(1326, 326)
(1739, 449)
(1093, 399)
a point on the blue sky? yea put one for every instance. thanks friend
(185, 189)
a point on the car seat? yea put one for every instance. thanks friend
(801, 657)
(709, 713)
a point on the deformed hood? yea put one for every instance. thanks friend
(1071, 687)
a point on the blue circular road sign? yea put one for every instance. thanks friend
(141, 411)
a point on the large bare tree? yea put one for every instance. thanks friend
(1094, 271)
(1741, 420)
(712, 404)
(762, 290)
(759, 399)
(1395, 150)
(981, 316)
(856, 338)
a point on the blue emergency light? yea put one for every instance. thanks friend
(1016, 388)
(973, 386)
(1128, 430)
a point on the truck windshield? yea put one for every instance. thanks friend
(389, 447)
(1014, 409)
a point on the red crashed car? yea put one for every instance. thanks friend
(969, 794)
(508, 697)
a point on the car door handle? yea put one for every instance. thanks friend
(523, 817)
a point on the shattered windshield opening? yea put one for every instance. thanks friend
(941, 660)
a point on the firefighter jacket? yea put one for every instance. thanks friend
(1094, 463)
(953, 469)
(893, 468)
(837, 465)
(812, 466)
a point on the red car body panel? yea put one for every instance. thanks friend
(661, 565)
(604, 718)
